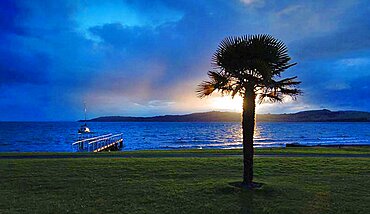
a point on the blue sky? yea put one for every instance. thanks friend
(145, 58)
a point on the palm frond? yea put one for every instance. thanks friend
(219, 81)
(204, 89)
(236, 90)
(292, 92)
(279, 90)
(270, 96)
(256, 60)
(287, 82)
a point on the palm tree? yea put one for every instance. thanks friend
(249, 66)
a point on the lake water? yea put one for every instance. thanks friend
(58, 136)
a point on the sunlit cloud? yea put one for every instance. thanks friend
(361, 61)
(250, 2)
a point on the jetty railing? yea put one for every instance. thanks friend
(99, 143)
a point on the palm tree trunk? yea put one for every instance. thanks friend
(248, 123)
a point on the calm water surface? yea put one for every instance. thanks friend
(58, 136)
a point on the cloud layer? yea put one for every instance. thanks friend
(140, 58)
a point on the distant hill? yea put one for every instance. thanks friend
(216, 116)
(317, 116)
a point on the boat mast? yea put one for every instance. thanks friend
(85, 111)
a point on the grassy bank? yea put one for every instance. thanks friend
(183, 185)
(352, 150)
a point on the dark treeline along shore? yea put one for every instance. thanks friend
(216, 116)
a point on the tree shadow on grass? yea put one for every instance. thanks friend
(243, 197)
(249, 200)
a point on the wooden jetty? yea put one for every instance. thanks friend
(108, 142)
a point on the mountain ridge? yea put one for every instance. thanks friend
(323, 115)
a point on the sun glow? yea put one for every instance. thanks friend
(226, 103)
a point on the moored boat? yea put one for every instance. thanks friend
(84, 128)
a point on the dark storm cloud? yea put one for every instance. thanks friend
(8, 11)
(22, 68)
(17, 65)
(351, 36)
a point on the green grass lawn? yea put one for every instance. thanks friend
(183, 185)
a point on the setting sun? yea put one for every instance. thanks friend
(226, 103)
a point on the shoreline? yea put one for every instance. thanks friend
(257, 148)
(288, 151)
